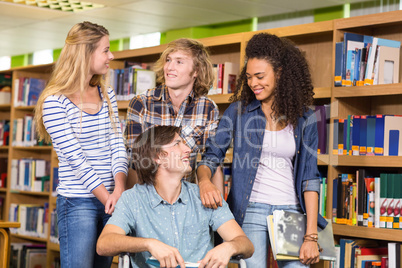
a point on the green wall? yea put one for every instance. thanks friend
(204, 31)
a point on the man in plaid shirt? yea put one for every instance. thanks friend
(185, 74)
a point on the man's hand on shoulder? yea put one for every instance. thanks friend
(210, 195)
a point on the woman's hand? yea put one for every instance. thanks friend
(112, 200)
(309, 253)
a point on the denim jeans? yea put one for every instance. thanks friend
(80, 222)
(256, 228)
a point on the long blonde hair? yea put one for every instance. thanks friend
(71, 69)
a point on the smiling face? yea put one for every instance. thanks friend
(101, 57)
(175, 158)
(179, 71)
(261, 79)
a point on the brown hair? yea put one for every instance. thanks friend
(202, 63)
(147, 147)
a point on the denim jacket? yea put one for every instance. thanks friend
(247, 131)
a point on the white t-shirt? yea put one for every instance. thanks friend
(274, 182)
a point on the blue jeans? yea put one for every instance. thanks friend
(80, 222)
(256, 228)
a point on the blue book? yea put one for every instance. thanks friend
(363, 135)
(379, 135)
(356, 135)
(370, 134)
(154, 262)
(334, 199)
(342, 243)
(345, 137)
(393, 142)
(338, 64)
(36, 86)
(335, 138)
(341, 145)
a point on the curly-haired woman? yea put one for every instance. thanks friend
(275, 143)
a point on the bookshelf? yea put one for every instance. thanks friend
(366, 100)
(317, 41)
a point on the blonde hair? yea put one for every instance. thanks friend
(202, 63)
(71, 69)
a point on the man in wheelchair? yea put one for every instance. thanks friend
(163, 216)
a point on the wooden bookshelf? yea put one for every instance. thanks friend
(317, 41)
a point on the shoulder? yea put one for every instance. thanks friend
(54, 101)
(206, 102)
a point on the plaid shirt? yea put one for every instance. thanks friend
(198, 118)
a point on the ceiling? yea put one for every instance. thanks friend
(25, 29)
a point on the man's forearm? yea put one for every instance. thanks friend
(241, 245)
(114, 244)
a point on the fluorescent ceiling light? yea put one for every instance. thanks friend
(62, 5)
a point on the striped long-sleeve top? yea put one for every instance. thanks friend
(89, 150)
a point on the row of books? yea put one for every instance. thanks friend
(370, 201)
(5, 88)
(54, 231)
(24, 133)
(366, 60)
(27, 90)
(368, 135)
(226, 75)
(27, 255)
(34, 219)
(362, 253)
(131, 81)
(3, 172)
(323, 115)
(28, 174)
(4, 132)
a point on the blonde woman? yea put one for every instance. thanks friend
(78, 113)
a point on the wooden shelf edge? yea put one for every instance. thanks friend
(220, 98)
(53, 246)
(366, 232)
(367, 91)
(13, 191)
(322, 92)
(36, 148)
(366, 161)
(33, 238)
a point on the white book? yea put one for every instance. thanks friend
(287, 233)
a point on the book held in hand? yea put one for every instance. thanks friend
(154, 262)
(286, 231)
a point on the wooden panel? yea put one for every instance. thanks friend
(370, 233)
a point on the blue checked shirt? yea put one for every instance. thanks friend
(197, 116)
(186, 224)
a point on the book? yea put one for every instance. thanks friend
(338, 64)
(287, 232)
(388, 65)
(369, 76)
(363, 135)
(154, 262)
(379, 134)
(230, 73)
(143, 80)
(371, 120)
(393, 135)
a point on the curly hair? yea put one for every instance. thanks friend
(294, 89)
(202, 63)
